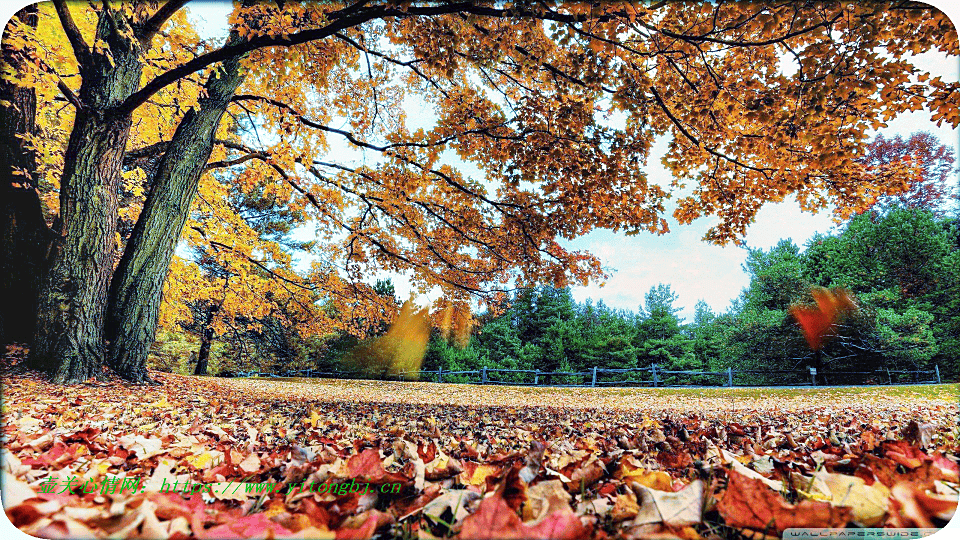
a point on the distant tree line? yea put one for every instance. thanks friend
(902, 266)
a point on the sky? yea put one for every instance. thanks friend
(694, 269)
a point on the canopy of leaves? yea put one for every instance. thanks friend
(933, 183)
(556, 104)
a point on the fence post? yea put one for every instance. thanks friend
(889, 377)
(729, 376)
(654, 368)
(936, 367)
(813, 376)
(440, 374)
(536, 378)
(484, 380)
(594, 381)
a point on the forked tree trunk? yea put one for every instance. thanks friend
(137, 287)
(69, 336)
(24, 235)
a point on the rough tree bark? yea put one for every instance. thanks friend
(24, 235)
(137, 286)
(69, 335)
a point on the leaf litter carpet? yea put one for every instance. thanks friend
(471, 461)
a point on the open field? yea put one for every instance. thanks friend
(563, 462)
(666, 399)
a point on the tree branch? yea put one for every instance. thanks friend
(695, 141)
(236, 161)
(705, 38)
(387, 150)
(343, 19)
(146, 30)
(80, 48)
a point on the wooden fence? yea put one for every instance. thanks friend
(653, 376)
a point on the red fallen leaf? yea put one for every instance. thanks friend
(904, 453)
(913, 507)
(22, 515)
(941, 506)
(226, 470)
(674, 460)
(492, 519)
(32, 462)
(607, 488)
(367, 466)
(733, 428)
(56, 529)
(405, 508)
(171, 505)
(866, 474)
(254, 525)
(118, 452)
(317, 514)
(751, 504)
(887, 473)
(468, 451)
(66, 499)
(427, 452)
(560, 525)
(83, 435)
(61, 454)
(364, 532)
(348, 504)
(514, 490)
(948, 467)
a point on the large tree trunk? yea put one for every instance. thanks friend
(69, 336)
(24, 235)
(137, 287)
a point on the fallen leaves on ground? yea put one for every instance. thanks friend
(633, 465)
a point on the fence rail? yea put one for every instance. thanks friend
(652, 376)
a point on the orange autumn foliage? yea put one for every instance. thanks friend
(820, 320)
